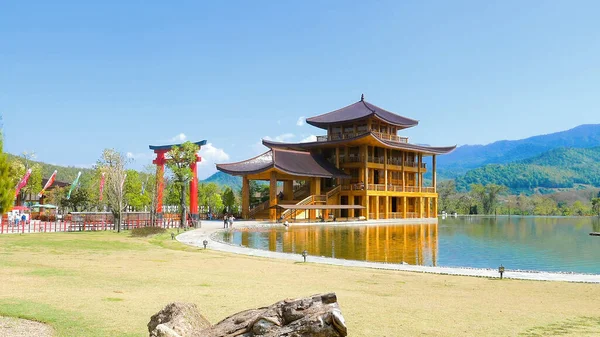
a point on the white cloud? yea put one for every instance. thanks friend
(179, 138)
(281, 138)
(300, 121)
(139, 155)
(311, 138)
(210, 156)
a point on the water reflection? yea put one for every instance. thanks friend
(530, 243)
(412, 244)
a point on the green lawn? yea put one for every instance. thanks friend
(109, 284)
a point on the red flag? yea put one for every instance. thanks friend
(48, 184)
(101, 185)
(23, 182)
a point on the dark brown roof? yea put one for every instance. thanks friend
(299, 163)
(357, 111)
(395, 145)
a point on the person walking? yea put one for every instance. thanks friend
(225, 220)
(231, 218)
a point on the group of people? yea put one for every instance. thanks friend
(14, 218)
(228, 221)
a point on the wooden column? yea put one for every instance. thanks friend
(404, 207)
(419, 174)
(435, 209)
(387, 207)
(421, 207)
(428, 207)
(385, 168)
(245, 197)
(376, 207)
(273, 196)
(403, 175)
(288, 190)
(337, 162)
(315, 189)
(434, 175)
(366, 164)
(366, 204)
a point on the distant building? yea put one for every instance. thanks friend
(360, 169)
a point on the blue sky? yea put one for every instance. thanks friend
(77, 77)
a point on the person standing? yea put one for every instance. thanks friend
(225, 220)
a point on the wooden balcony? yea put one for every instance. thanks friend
(376, 160)
(348, 135)
(381, 188)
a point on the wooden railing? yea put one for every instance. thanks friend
(301, 190)
(310, 200)
(335, 191)
(258, 208)
(376, 160)
(347, 135)
(390, 187)
(390, 137)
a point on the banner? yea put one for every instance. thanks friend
(101, 185)
(48, 184)
(23, 182)
(73, 185)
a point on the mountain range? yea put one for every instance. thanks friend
(561, 160)
(468, 157)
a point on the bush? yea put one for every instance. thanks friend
(146, 231)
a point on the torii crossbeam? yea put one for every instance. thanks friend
(160, 162)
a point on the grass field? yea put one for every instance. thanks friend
(109, 284)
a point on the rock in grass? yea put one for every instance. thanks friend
(177, 320)
(314, 316)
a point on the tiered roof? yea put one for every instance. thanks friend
(299, 163)
(358, 111)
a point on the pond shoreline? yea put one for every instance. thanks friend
(211, 228)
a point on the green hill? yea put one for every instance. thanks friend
(224, 179)
(469, 157)
(64, 174)
(558, 168)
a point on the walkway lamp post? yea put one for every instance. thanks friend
(501, 270)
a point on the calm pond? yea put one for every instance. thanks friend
(527, 243)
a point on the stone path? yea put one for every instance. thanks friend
(196, 238)
(15, 327)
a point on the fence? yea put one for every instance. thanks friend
(79, 222)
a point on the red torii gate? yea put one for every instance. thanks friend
(160, 161)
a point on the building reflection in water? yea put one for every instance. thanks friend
(412, 244)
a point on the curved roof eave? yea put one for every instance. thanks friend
(400, 146)
(323, 125)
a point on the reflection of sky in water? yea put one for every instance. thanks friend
(530, 243)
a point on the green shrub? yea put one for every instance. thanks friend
(146, 231)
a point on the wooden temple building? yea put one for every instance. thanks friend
(361, 169)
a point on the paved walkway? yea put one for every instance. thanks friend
(196, 238)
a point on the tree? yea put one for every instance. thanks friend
(179, 160)
(228, 199)
(112, 164)
(209, 195)
(134, 195)
(596, 205)
(7, 192)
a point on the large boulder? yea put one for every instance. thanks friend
(177, 320)
(314, 316)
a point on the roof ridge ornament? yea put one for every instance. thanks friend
(362, 97)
